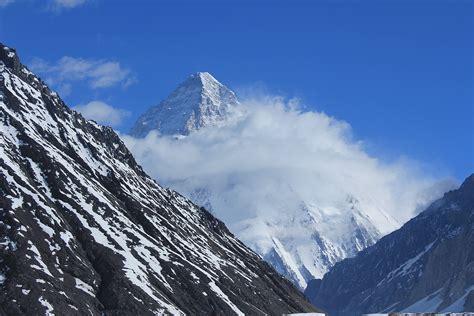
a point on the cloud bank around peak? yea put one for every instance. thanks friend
(273, 156)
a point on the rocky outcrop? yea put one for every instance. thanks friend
(83, 230)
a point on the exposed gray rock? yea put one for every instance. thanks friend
(83, 230)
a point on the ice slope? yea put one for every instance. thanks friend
(83, 230)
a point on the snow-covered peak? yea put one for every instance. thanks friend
(203, 80)
(204, 77)
(199, 101)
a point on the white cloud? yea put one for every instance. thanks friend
(4, 3)
(279, 178)
(102, 113)
(64, 89)
(273, 157)
(66, 4)
(97, 73)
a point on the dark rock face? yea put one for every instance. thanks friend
(83, 230)
(427, 265)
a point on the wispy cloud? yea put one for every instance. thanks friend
(97, 73)
(53, 5)
(64, 89)
(4, 3)
(103, 113)
(58, 5)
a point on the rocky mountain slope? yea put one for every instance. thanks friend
(83, 230)
(305, 233)
(198, 102)
(425, 266)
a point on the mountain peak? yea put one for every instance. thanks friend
(198, 102)
(203, 76)
(469, 182)
(206, 81)
(9, 58)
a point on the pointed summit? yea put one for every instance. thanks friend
(199, 101)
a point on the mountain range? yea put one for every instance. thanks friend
(425, 266)
(84, 230)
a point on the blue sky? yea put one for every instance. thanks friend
(400, 72)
